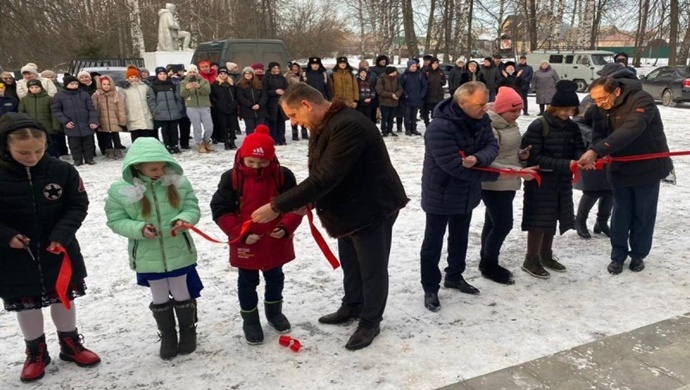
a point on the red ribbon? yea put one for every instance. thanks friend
(206, 236)
(575, 170)
(321, 242)
(64, 276)
(506, 171)
(602, 162)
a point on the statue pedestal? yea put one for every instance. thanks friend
(163, 58)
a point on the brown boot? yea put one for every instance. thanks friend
(201, 148)
(117, 153)
(208, 146)
(110, 154)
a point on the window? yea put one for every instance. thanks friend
(569, 59)
(667, 74)
(213, 56)
(242, 58)
(654, 75)
(601, 59)
(556, 58)
(583, 60)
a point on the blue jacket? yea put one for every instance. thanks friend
(77, 107)
(8, 104)
(447, 187)
(414, 88)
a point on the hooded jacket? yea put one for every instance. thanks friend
(319, 80)
(165, 102)
(448, 188)
(380, 70)
(110, 107)
(232, 206)
(164, 253)
(139, 116)
(468, 76)
(39, 107)
(46, 202)
(633, 126)
(77, 107)
(414, 87)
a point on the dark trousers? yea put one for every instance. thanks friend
(168, 130)
(107, 140)
(251, 123)
(225, 127)
(365, 109)
(185, 126)
(428, 112)
(589, 198)
(214, 119)
(248, 280)
(400, 116)
(632, 223)
(374, 107)
(54, 144)
(458, 231)
(411, 118)
(61, 142)
(277, 128)
(387, 115)
(523, 94)
(83, 148)
(143, 133)
(364, 258)
(498, 222)
(296, 132)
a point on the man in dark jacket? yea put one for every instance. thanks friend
(357, 194)
(317, 77)
(628, 123)
(224, 103)
(492, 77)
(450, 189)
(455, 76)
(524, 72)
(275, 84)
(622, 58)
(414, 87)
(435, 79)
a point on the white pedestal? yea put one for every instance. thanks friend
(163, 58)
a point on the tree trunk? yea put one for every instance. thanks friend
(135, 27)
(585, 31)
(469, 29)
(597, 12)
(430, 26)
(533, 40)
(673, 35)
(641, 32)
(684, 46)
(408, 24)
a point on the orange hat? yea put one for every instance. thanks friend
(132, 71)
(259, 144)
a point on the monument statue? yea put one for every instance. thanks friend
(169, 33)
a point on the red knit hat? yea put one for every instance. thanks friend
(258, 65)
(259, 144)
(507, 99)
(132, 71)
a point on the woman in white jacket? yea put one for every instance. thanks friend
(139, 117)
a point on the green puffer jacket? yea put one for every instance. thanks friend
(38, 106)
(199, 97)
(123, 211)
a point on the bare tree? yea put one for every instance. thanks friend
(408, 24)
(673, 33)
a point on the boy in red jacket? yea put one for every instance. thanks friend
(255, 180)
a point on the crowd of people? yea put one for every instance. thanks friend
(259, 203)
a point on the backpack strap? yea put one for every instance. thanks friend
(545, 126)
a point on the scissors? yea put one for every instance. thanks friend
(25, 240)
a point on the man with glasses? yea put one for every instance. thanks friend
(626, 123)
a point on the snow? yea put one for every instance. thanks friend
(417, 349)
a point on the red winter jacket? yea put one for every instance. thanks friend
(259, 186)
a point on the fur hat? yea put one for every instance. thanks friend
(507, 99)
(460, 61)
(192, 68)
(248, 69)
(68, 79)
(258, 66)
(231, 65)
(29, 69)
(272, 65)
(566, 94)
(132, 71)
(259, 144)
(160, 69)
(314, 60)
(427, 57)
(509, 63)
(340, 60)
(382, 57)
(390, 70)
(34, 82)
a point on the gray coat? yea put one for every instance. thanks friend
(77, 107)
(545, 84)
(165, 102)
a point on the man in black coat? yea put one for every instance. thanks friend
(524, 72)
(357, 194)
(628, 123)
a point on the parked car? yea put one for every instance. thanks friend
(243, 52)
(669, 84)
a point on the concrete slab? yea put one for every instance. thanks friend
(672, 360)
(631, 374)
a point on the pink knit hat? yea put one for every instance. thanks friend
(507, 99)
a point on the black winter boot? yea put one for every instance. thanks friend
(275, 316)
(37, 359)
(399, 124)
(492, 271)
(605, 207)
(165, 319)
(187, 319)
(586, 203)
(295, 136)
(252, 326)
(550, 261)
(305, 133)
(533, 266)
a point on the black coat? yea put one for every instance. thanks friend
(512, 81)
(467, 77)
(435, 80)
(633, 126)
(76, 106)
(592, 180)
(247, 97)
(320, 81)
(224, 98)
(526, 75)
(455, 79)
(553, 200)
(492, 77)
(348, 192)
(48, 205)
(271, 83)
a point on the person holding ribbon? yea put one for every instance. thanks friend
(556, 144)
(627, 125)
(255, 179)
(356, 192)
(43, 205)
(153, 206)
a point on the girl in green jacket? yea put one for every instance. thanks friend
(152, 206)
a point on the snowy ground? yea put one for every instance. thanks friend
(417, 349)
